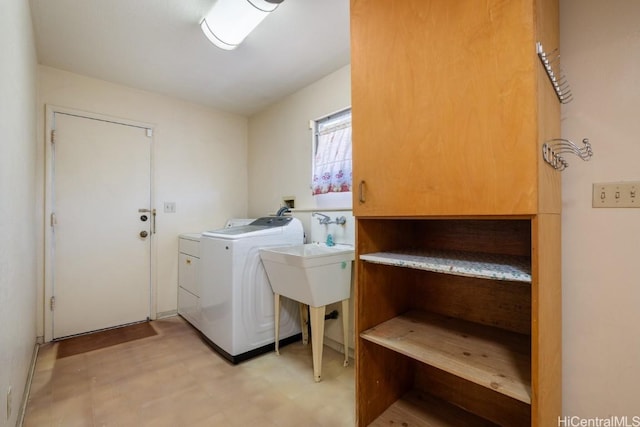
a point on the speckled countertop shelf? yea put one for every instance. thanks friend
(471, 264)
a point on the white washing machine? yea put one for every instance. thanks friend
(237, 314)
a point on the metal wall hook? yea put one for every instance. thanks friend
(553, 148)
(551, 63)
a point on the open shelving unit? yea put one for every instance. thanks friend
(445, 321)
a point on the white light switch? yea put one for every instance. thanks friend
(169, 207)
(616, 195)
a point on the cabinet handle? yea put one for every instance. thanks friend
(361, 191)
(188, 261)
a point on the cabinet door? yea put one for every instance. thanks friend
(444, 107)
(188, 274)
(189, 307)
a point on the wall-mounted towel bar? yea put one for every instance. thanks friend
(551, 63)
(553, 148)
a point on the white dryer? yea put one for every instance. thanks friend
(237, 308)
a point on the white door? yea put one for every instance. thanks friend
(101, 243)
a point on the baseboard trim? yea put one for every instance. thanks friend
(338, 346)
(165, 314)
(27, 386)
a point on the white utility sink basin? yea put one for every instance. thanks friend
(314, 274)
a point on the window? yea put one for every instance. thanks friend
(331, 172)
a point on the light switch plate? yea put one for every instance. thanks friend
(169, 207)
(616, 194)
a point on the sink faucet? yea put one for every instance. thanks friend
(327, 220)
(324, 218)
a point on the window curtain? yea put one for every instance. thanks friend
(332, 160)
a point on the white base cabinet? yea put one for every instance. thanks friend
(188, 278)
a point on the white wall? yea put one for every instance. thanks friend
(600, 46)
(280, 143)
(17, 203)
(200, 160)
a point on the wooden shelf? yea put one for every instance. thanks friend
(471, 264)
(418, 409)
(488, 356)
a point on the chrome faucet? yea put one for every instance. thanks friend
(324, 220)
(327, 220)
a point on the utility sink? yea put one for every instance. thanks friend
(314, 274)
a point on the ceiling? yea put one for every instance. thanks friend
(157, 45)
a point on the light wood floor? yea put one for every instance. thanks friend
(174, 379)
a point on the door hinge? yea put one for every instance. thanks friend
(52, 303)
(53, 136)
(52, 219)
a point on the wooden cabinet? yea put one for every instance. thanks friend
(450, 107)
(458, 294)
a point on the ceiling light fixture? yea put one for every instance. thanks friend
(230, 21)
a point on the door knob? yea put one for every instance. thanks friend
(143, 234)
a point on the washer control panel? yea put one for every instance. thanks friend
(272, 221)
